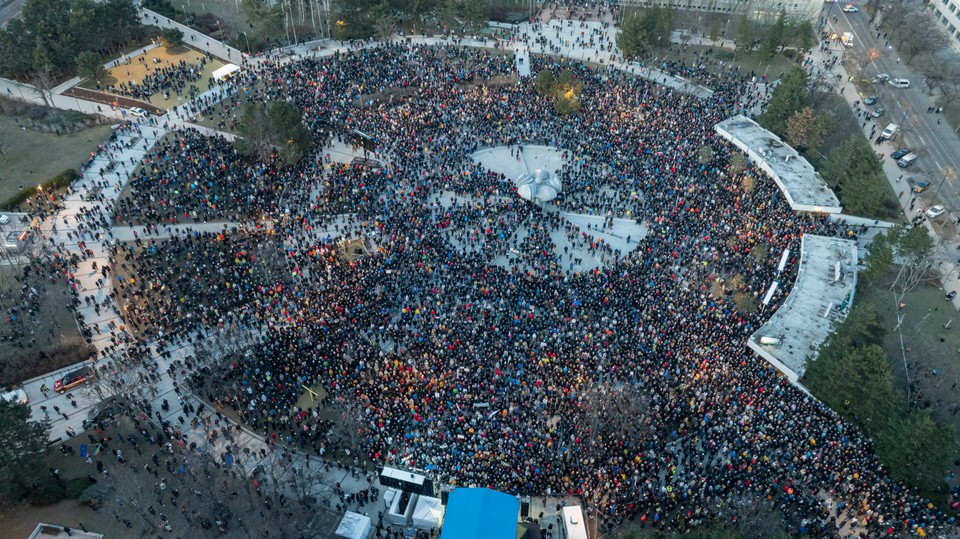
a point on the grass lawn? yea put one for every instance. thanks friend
(31, 157)
(134, 70)
(722, 59)
(932, 346)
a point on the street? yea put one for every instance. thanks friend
(936, 145)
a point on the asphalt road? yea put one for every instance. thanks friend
(937, 146)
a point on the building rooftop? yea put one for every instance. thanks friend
(799, 182)
(822, 294)
(52, 531)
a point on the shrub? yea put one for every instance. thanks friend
(48, 492)
(73, 488)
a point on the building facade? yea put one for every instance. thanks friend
(761, 10)
(947, 14)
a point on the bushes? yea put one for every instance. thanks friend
(48, 492)
(57, 182)
(74, 488)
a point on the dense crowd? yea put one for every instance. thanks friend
(440, 355)
(178, 78)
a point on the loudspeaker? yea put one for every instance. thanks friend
(444, 496)
(525, 508)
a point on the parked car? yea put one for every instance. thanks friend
(73, 379)
(906, 160)
(921, 186)
(899, 153)
(16, 395)
(882, 77)
(889, 131)
(4, 218)
(850, 8)
(137, 111)
(899, 83)
(878, 112)
(935, 211)
(951, 294)
(872, 100)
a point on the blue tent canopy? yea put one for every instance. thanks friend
(480, 513)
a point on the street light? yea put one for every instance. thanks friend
(247, 39)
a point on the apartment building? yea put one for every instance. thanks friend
(947, 13)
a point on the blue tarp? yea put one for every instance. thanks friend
(480, 513)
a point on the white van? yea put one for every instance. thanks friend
(17, 395)
(889, 131)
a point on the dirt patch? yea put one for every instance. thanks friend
(387, 96)
(497, 80)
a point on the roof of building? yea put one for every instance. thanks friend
(796, 177)
(52, 531)
(480, 513)
(822, 294)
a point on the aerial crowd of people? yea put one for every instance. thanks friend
(460, 347)
(453, 327)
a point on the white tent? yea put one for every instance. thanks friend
(354, 526)
(225, 72)
(428, 513)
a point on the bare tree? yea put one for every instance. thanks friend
(349, 429)
(757, 517)
(604, 409)
(43, 83)
(913, 247)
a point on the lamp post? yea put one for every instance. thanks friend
(247, 39)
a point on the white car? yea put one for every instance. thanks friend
(935, 211)
(137, 111)
(899, 83)
(850, 8)
(882, 77)
(17, 395)
(4, 218)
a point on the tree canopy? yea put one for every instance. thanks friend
(171, 38)
(788, 98)
(650, 31)
(277, 128)
(52, 33)
(852, 376)
(21, 453)
(855, 171)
